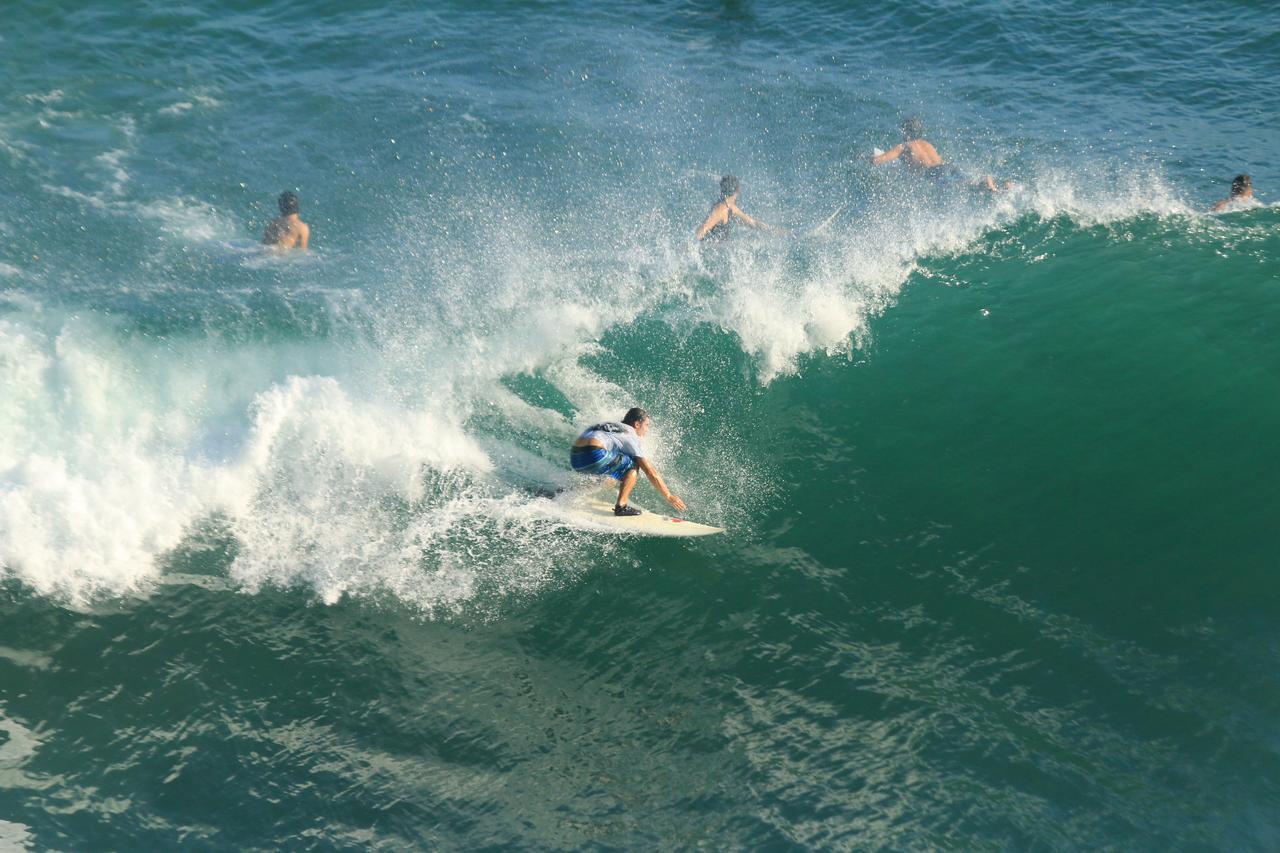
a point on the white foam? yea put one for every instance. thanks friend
(18, 150)
(1238, 204)
(185, 106)
(23, 657)
(109, 456)
(84, 198)
(1102, 197)
(15, 836)
(369, 472)
(53, 96)
(381, 465)
(19, 745)
(110, 161)
(90, 489)
(186, 218)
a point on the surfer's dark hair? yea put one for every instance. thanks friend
(1240, 184)
(912, 128)
(728, 185)
(635, 416)
(288, 203)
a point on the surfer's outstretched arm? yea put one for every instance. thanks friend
(654, 477)
(892, 154)
(751, 221)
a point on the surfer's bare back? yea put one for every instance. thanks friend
(287, 231)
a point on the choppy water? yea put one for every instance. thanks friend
(999, 472)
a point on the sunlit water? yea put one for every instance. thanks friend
(998, 472)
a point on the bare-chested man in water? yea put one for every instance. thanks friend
(288, 231)
(1241, 193)
(725, 214)
(921, 155)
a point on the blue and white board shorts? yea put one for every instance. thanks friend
(597, 460)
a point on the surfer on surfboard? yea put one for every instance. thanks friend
(614, 450)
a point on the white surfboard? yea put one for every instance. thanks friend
(822, 226)
(594, 511)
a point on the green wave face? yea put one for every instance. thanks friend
(281, 562)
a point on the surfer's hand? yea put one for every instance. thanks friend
(676, 502)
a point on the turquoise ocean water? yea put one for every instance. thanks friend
(999, 472)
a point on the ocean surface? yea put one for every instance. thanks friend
(278, 565)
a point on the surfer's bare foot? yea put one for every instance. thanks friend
(624, 509)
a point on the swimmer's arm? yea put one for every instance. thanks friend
(892, 154)
(304, 235)
(755, 223)
(718, 215)
(1220, 206)
(654, 477)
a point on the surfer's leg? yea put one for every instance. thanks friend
(628, 482)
